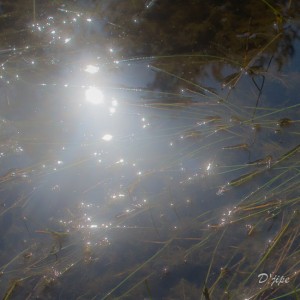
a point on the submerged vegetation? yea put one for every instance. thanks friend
(149, 150)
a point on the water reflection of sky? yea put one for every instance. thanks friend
(100, 146)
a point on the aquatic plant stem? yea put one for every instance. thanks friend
(134, 272)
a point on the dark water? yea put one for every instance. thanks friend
(149, 149)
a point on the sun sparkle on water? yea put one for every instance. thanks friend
(107, 137)
(94, 95)
(91, 69)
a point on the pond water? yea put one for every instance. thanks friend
(149, 150)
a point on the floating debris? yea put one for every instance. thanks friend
(256, 70)
(237, 147)
(285, 122)
(191, 134)
(261, 162)
(27, 255)
(256, 127)
(231, 79)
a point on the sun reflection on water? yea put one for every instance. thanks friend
(91, 69)
(94, 95)
(107, 137)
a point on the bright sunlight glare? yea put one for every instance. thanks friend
(107, 137)
(94, 95)
(91, 69)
